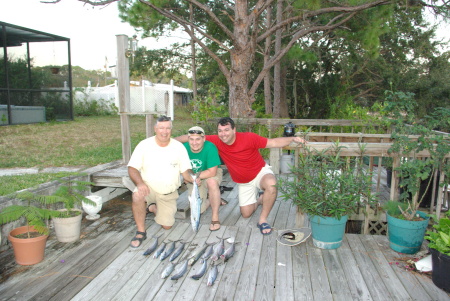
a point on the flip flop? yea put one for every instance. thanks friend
(147, 210)
(215, 223)
(264, 226)
(223, 202)
(140, 239)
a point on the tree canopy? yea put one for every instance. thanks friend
(237, 34)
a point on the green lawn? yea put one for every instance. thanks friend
(86, 141)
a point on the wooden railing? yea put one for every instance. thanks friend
(375, 146)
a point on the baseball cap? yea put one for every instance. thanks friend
(196, 130)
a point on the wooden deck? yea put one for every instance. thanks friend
(102, 266)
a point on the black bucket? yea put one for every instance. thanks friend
(441, 269)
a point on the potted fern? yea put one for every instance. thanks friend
(328, 187)
(29, 241)
(71, 195)
(406, 223)
(439, 245)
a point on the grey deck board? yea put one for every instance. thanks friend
(102, 266)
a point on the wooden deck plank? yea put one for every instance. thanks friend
(233, 268)
(377, 289)
(318, 275)
(102, 266)
(266, 281)
(284, 285)
(387, 275)
(104, 278)
(301, 274)
(355, 280)
(52, 270)
(336, 276)
(247, 285)
(418, 285)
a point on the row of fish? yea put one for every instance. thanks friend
(215, 251)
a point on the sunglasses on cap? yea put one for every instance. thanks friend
(198, 132)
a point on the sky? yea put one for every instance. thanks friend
(92, 30)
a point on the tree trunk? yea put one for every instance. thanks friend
(267, 82)
(193, 64)
(277, 67)
(284, 108)
(242, 58)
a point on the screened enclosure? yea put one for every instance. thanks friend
(35, 76)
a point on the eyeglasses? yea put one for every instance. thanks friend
(198, 132)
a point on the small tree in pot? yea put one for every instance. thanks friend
(328, 187)
(411, 137)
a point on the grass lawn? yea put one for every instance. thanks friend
(86, 141)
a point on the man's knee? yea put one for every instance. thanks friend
(166, 227)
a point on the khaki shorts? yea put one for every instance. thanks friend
(203, 189)
(166, 206)
(248, 192)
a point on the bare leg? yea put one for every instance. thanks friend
(138, 208)
(267, 200)
(214, 199)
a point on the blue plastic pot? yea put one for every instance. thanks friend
(327, 232)
(406, 236)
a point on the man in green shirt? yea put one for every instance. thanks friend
(205, 162)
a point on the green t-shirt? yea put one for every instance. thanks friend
(208, 157)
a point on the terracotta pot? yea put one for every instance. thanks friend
(67, 229)
(28, 251)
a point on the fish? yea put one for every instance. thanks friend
(152, 247)
(202, 270)
(212, 276)
(196, 204)
(177, 252)
(197, 254)
(167, 250)
(208, 252)
(219, 248)
(159, 250)
(180, 271)
(228, 252)
(168, 270)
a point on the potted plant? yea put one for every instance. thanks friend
(71, 195)
(439, 245)
(328, 187)
(406, 224)
(29, 241)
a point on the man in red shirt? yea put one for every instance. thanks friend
(240, 153)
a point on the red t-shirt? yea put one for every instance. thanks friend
(242, 158)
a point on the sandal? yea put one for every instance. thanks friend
(223, 202)
(147, 209)
(264, 226)
(140, 239)
(214, 223)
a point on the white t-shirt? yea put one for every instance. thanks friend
(160, 167)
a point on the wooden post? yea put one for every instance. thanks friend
(149, 123)
(123, 79)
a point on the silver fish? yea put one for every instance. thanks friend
(153, 246)
(208, 252)
(168, 270)
(202, 270)
(180, 271)
(197, 254)
(196, 204)
(219, 248)
(212, 275)
(228, 252)
(167, 251)
(177, 252)
(159, 250)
